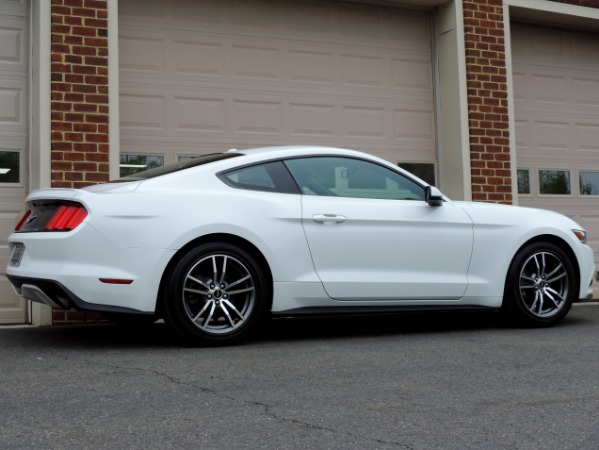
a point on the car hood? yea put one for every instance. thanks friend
(499, 214)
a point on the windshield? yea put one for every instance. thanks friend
(175, 167)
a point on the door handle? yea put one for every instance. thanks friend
(328, 218)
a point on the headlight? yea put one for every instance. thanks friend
(581, 235)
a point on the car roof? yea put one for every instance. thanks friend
(297, 150)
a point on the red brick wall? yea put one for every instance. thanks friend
(487, 101)
(79, 92)
(79, 108)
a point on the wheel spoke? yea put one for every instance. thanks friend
(209, 318)
(543, 264)
(537, 263)
(534, 304)
(222, 277)
(214, 269)
(528, 278)
(241, 291)
(224, 309)
(235, 283)
(200, 282)
(561, 275)
(196, 291)
(528, 286)
(198, 315)
(550, 297)
(230, 305)
(557, 294)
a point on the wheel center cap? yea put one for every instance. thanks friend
(218, 293)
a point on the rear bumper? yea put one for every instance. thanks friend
(55, 295)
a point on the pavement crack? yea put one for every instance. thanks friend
(267, 409)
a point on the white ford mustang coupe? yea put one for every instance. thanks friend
(215, 244)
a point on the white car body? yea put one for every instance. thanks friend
(322, 252)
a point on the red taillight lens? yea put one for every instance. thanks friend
(66, 218)
(23, 219)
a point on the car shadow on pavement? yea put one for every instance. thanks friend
(106, 335)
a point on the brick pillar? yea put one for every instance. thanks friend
(79, 107)
(487, 101)
(79, 93)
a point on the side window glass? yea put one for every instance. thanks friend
(349, 177)
(269, 177)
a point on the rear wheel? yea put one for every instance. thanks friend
(215, 294)
(541, 285)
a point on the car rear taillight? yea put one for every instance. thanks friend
(23, 219)
(66, 218)
(52, 216)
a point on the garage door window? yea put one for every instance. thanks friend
(523, 181)
(130, 164)
(589, 183)
(10, 167)
(424, 171)
(554, 182)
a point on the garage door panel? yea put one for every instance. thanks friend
(143, 112)
(13, 142)
(12, 106)
(142, 54)
(409, 126)
(339, 69)
(13, 45)
(275, 72)
(199, 115)
(586, 91)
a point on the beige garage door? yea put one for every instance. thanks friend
(13, 141)
(198, 76)
(556, 84)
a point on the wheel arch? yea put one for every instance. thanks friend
(227, 238)
(555, 240)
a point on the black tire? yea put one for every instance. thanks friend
(131, 320)
(215, 294)
(541, 286)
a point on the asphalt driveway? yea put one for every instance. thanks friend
(418, 381)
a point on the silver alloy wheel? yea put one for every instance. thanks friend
(218, 294)
(544, 284)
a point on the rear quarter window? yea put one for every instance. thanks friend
(267, 177)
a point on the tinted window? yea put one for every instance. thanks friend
(348, 177)
(269, 177)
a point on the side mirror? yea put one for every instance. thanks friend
(433, 196)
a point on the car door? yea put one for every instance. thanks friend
(373, 236)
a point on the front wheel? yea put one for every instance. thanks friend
(215, 294)
(541, 285)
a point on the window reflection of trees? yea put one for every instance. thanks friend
(589, 183)
(523, 181)
(554, 182)
(130, 164)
